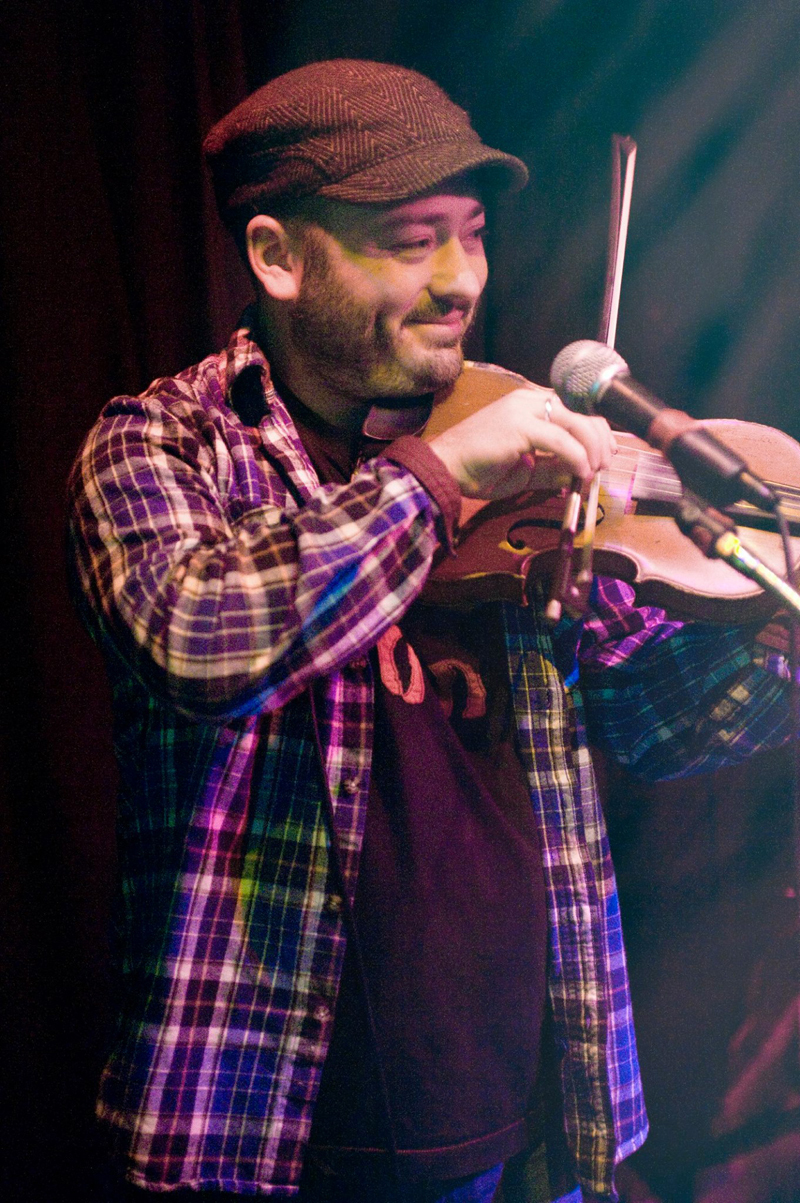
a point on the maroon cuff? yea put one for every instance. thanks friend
(412, 453)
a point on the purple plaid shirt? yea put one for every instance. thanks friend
(221, 581)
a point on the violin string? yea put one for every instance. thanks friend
(654, 479)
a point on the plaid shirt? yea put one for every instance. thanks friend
(221, 581)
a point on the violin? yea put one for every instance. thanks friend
(629, 530)
(504, 546)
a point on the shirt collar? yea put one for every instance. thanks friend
(244, 356)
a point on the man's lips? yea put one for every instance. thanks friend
(453, 317)
(454, 321)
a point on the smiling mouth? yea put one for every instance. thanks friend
(456, 317)
(451, 325)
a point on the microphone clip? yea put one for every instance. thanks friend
(716, 536)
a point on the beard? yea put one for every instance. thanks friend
(351, 345)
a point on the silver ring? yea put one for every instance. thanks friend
(548, 410)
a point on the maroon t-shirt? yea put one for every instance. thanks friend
(450, 904)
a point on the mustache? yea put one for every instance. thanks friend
(430, 311)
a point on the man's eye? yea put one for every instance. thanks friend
(412, 244)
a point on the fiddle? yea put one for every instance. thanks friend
(629, 529)
(505, 545)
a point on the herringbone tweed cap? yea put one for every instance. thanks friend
(348, 129)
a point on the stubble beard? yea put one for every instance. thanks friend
(351, 348)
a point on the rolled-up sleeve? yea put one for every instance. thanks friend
(225, 597)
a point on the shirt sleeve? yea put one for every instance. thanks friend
(667, 698)
(430, 471)
(225, 596)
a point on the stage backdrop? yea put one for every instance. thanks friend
(114, 270)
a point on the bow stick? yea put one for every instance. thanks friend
(570, 592)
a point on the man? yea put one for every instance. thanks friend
(370, 946)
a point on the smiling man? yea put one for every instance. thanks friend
(369, 942)
(382, 296)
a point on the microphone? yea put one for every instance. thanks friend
(592, 378)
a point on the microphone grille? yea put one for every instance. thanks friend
(580, 368)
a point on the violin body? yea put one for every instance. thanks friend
(503, 546)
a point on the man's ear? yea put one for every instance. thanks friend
(273, 258)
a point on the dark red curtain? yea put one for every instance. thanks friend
(113, 270)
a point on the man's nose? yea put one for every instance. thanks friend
(457, 274)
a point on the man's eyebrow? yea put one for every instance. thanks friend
(392, 221)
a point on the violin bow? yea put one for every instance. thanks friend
(570, 592)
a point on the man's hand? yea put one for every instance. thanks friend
(492, 453)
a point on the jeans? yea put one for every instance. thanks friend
(317, 1187)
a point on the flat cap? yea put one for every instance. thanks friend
(348, 129)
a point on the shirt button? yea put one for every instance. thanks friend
(333, 904)
(359, 664)
(321, 1012)
(350, 785)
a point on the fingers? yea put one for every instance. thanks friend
(584, 444)
(493, 452)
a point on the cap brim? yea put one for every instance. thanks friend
(425, 167)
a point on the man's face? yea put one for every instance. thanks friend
(388, 293)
